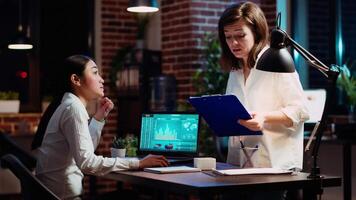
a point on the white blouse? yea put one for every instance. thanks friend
(279, 146)
(67, 150)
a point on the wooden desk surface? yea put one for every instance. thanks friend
(206, 182)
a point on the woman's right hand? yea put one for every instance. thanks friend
(254, 124)
(153, 161)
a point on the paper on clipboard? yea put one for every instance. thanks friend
(222, 112)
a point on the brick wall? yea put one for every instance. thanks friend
(183, 25)
(19, 124)
(118, 29)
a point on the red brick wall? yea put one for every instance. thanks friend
(118, 29)
(183, 25)
(19, 123)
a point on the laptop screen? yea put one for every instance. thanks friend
(169, 133)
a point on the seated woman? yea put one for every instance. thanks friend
(67, 137)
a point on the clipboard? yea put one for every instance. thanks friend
(221, 113)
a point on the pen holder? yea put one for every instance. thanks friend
(247, 160)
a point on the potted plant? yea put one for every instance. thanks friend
(347, 83)
(118, 147)
(131, 145)
(9, 102)
(208, 80)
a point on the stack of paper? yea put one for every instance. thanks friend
(171, 169)
(247, 171)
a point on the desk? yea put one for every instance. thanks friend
(206, 186)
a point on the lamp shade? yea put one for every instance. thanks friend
(20, 42)
(276, 58)
(143, 6)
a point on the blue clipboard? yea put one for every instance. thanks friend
(221, 113)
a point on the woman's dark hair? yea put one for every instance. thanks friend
(254, 18)
(72, 65)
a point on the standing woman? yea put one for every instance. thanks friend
(67, 137)
(275, 100)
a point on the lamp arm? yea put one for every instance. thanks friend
(330, 90)
(308, 56)
(282, 39)
(331, 73)
(279, 40)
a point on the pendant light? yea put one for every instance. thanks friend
(21, 41)
(143, 6)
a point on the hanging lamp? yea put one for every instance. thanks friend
(21, 41)
(143, 6)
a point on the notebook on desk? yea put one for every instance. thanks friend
(174, 135)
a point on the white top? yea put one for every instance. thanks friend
(67, 150)
(279, 146)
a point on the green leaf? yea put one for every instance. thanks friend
(347, 82)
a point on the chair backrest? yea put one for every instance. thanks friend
(31, 187)
(8, 146)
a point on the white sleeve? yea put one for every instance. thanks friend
(76, 130)
(293, 99)
(95, 128)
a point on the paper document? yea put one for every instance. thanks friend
(247, 171)
(171, 169)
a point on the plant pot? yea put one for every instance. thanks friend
(118, 153)
(9, 106)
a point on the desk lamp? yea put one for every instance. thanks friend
(278, 59)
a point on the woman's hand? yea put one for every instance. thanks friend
(153, 161)
(105, 105)
(254, 124)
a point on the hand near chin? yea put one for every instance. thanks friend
(105, 105)
(153, 161)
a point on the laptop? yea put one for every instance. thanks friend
(174, 135)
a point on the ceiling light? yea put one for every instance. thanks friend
(143, 6)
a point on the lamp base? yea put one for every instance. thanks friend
(315, 173)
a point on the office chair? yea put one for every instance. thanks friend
(8, 146)
(31, 187)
